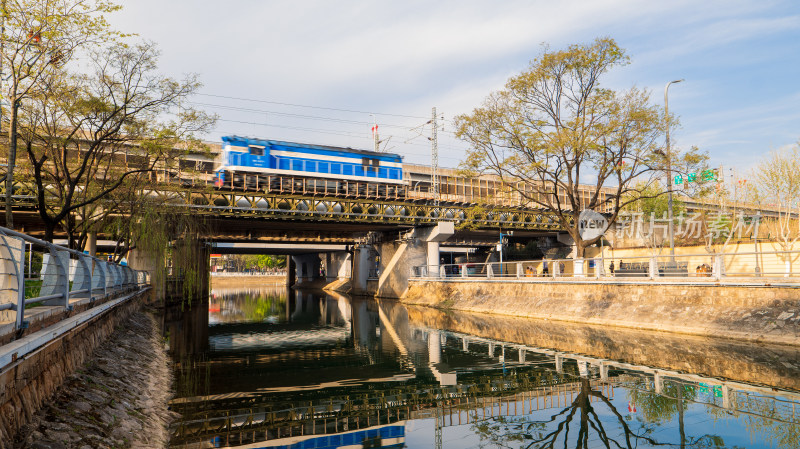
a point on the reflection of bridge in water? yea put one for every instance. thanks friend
(408, 372)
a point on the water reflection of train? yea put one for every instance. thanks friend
(287, 167)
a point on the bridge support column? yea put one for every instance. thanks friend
(291, 269)
(192, 261)
(330, 274)
(433, 259)
(399, 258)
(308, 267)
(338, 266)
(360, 270)
(91, 245)
(147, 261)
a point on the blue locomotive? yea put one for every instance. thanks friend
(289, 167)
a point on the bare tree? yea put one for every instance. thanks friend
(777, 182)
(87, 135)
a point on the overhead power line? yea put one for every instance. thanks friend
(327, 131)
(309, 106)
(288, 114)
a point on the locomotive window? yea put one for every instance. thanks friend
(370, 165)
(256, 151)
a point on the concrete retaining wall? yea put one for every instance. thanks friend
(31, 381)
(753, 313)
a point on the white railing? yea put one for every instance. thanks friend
(783, 265)
(65, 277)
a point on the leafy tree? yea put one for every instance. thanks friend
(647, 215)
(650, 200)
(554, 129)
(38, 38)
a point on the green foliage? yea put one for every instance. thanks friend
(258, 308)
(653, 199)
(264, 261)
(260, 262)
(661, 408)
(471, 214)
(33, 288)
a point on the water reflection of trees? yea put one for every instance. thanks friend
(255, 306)
(579, 422)
(764, 416)
(780, 434)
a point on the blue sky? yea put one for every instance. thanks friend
(259, 59)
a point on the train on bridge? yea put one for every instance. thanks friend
(288, 167)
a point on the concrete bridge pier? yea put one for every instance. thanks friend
(398, 258)
(338, 266)
(308, 267)
(142, 260)
(191, 263)
(338, 270)
(362, 267)
(291, 271)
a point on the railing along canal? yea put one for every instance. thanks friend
(781, 266)
(39, 279)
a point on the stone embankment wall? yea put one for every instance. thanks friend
(246, 281)
(752, 313)
(32, 381)
(117, 399)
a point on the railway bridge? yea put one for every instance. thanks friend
(366, 243)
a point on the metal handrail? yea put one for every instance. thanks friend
(649, 266)
(95, 274)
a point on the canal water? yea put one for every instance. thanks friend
(271, 368)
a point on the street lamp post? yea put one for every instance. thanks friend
(500, 248)
(669, 172)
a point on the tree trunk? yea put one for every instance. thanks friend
(49, 231)
(12, 159)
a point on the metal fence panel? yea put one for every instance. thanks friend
(55, 277)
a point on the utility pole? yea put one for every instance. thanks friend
(375, 141)
(434, 159)
(2, 52)
(669, 173)
(2, 93)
